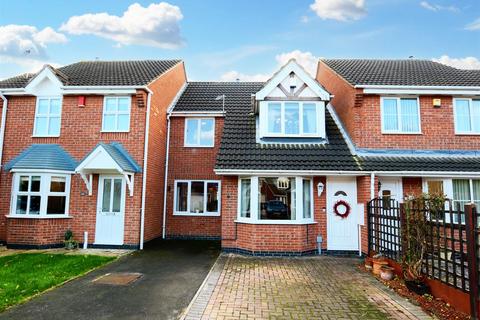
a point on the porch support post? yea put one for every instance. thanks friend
(129, 179)
(88, 182)
(471, 226)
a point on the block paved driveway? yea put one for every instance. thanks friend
(324, 287)
(172, 271)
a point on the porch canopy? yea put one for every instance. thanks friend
(42, 157)
(108, 159)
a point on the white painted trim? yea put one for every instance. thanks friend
(470, 102)
(93, 154)
(198, 145)
(45, 73)
(117, 113)
(404, 91)
(427, 174)
(2, 126)
(101, 91)
(145, 167)
(399, 116)
(273, 222)
(205, 212)
(197, 114)
(48, 116)
(42, 171)
(52, 216)
(276, 173)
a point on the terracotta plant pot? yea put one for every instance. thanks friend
(386, 273)
(377, 265)
(369, 263)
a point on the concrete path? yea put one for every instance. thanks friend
(240, 287)
(172, 271)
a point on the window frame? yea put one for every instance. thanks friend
(116, 113)
(254, 207)
(205, 193)
(399, 116)
(467, 133)
(48, 116)
(264, 124)
(44, 193)
(198, 144)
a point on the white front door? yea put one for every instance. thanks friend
(110, 210)
(342, 232)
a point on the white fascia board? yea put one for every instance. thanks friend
(417, 90)
(99, 91)
(371, 86)
(42, 171)
(276, 173)
(84, 90)
(452, 174)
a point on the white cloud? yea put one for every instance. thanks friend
(26, 46)
(475, 25)
(156, 25)
(459, 63)
(341, 10)
(436, 7)
(306, 59)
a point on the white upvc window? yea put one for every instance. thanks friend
(40, 195)
(467, 115)
(400, 115)
(116, 114)
(48, 114)
(292, 119)
(275, 200)
(197, 197)
(199, 132)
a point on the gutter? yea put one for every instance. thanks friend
(2, 126)
(144, 172)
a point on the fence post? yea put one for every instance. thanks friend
(369, 228)
(403, 233)
(471, 225)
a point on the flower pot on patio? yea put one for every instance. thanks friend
(369, 263)
(386, 273)
(378, 264)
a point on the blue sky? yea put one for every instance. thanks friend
(227, 40)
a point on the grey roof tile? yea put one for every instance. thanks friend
(418, 164)
(102, 73)
(122, 157)
(43, 156)
(411, 72)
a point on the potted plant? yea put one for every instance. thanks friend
(386, 273)
(368, 263)
(378, 262)
(69, 242)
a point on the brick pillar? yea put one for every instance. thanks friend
(363, 196)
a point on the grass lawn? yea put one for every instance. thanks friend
(27, 274)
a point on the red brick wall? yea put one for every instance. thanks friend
(191, 164)
(364, 196)
(37, 231)
(412, 186)
(80, 133)
(165, 90)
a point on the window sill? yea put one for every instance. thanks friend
(196, 214)
(15, 216)
(277, 222)
(104, 131)
(56, 136)
(402, 133)
(195, 146)
(467, 133)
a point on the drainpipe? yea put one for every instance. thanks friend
(2, 126)
(164, 224)
(145, 162)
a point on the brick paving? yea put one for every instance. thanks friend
(240, 287)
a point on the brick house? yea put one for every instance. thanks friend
(83, 148)
(299, 158)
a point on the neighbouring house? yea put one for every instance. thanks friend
(279, 167)
(84, 149)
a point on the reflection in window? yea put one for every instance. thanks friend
(277, 203)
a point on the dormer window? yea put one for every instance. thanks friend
(291, 119)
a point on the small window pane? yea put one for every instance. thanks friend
(56, 204)
(123, 104)
(307, 199)
(55, 107)
(109, 122)
(274, 118)
(277, 198)
(435, 187)
(107, 189)
(196, 196)
(34, 205)
(390, 115)
(212, 197)
(41, 125)
(23, 183)
(35, 186)
(409, 114)
(462, 115)
(42, 107)
(110, 105)
(57, 184)
(292, 118)
(245, 198)
(117, 194)
(123, 122)
(182, 197)
(21, 205)
(476, 116)
(192, 131)
(54, 127)
(206, 132)
(309, 118)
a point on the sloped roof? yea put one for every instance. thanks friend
(118, 153)
(239, 148)
(421, 164)
(43, 156)
(411, 72)
(101, 73)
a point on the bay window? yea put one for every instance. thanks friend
(40, 195)
(275, 200)
(467, 116)
(199, 197)
(400, 115)
(291, 119)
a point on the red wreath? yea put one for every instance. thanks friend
(342, 203)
